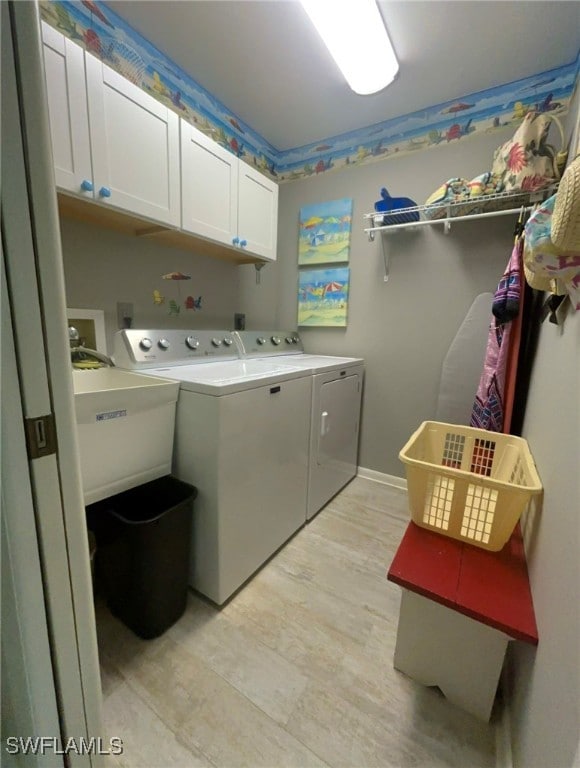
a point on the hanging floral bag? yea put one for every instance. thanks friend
(527, 162)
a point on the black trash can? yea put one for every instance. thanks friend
(144, 546)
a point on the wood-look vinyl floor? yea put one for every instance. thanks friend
(296, 670)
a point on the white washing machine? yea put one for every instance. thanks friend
(335, 409)
(241, 438)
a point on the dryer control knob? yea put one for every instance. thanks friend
(261, 340)
(163, 344)
(276, 340)
(146, 344)
(192, 342)
(216, 342)
(228, 341)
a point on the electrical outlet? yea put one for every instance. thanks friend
(239, 321)
(124, 314)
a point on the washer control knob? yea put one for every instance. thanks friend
(289, 339)
(192, 342)
(228, 341)
(295, 340)
(261, 340)
(216, 342)
(276, 340)
(146, 344)
(163, 344)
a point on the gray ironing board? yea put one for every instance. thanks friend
(463, 364)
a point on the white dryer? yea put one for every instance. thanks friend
(241, 438)
(335, 409)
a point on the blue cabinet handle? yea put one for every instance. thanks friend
(243, 243)
(235, 240)
(104, 192)
(87, 186)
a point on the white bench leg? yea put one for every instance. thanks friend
(439, 646)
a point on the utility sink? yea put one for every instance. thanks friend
(125, 426)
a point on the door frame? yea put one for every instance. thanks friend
(35, 290)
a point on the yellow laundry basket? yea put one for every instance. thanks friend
(467, 483)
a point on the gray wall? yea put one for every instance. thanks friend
(404, 327)
(546, 707)
(103, 267)
(546, 680)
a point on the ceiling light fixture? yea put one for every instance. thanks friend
(354, 33)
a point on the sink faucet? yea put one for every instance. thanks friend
(78, 352)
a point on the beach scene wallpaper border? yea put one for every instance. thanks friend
(100, 31)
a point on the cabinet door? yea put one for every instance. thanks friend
(257, 212)
(67, 107)
(134, 145)
(209, 187)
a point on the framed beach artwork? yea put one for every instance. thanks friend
(323, 296)
(325, 232)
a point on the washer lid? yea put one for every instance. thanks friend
(319, 363)
(225, 378)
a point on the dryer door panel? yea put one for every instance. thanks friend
(338, 420)
(334, 439)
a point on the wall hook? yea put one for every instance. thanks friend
(258, 268)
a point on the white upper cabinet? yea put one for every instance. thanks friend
(225, 199)
(111, 141)
(114, 143)
(209, 187)
(67, 106)
(257, 212)
(134, 145)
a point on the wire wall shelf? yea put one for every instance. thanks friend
(481, 207)
(499, 204)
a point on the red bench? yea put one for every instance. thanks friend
(460, 607)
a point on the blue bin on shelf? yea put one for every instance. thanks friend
(394, 210)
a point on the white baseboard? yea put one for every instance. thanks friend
(380, 477)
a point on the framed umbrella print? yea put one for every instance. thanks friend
(324, 235)
(323, 296)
